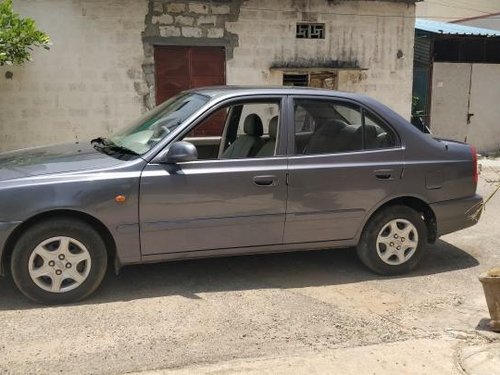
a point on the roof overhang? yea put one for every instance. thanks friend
(453, 29)
(314, 65)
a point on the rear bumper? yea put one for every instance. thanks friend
(6, 228)
(456, 214)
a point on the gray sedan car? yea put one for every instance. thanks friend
(225, 171)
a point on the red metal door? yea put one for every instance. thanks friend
(180, 68)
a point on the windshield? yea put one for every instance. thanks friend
(152, 127)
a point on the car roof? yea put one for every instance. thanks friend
(230, 91)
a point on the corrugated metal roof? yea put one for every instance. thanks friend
(445, 28)
(422, 52)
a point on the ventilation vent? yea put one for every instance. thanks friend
(310, 31)
(295, 79)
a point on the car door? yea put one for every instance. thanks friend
(344, 160)
(218, 203)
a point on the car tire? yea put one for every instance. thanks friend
(393, 241)
(59, 261)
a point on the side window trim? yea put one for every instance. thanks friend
(363, 123)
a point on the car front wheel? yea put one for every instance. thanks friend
(393, 241)
(59, 261)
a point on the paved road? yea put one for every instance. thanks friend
(298, 313)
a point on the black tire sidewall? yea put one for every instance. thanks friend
(39, 232)
(367, 250)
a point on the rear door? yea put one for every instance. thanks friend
(344, 160)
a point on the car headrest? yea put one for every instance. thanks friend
(273, 127)
(253, 125)
(330, 128)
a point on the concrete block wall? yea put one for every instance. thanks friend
(86, 85)
(370, 33)
(99, 74)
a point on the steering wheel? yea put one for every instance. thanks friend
(162, 127)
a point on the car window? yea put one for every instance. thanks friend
(350, 115)
(241, 130)
(155, 125)
(337, 127)
(329, 127)
(303, 121)
(377, 133)
(265, 111)
(212, 126)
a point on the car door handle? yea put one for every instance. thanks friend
(384, 174)
(265, 180)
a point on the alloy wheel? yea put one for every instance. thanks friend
(397, 241)
(59, 264)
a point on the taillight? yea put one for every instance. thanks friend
(475, 172)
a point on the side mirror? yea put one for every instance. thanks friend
(181, 152)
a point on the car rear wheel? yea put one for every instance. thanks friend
(59, 261)
(393, 241)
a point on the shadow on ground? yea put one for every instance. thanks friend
(287, 270)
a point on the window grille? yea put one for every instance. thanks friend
(310, 31)
(295, 80)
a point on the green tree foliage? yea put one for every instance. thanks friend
(18, 36)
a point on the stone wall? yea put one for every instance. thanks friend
(186, 23)
(100, 72)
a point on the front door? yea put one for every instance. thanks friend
(179, 68)
(344, 161)
(233, 196)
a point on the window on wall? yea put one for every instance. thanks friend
(325, 80)
(329, 127)
(295, 79)
(310, 31)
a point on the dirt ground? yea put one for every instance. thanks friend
(308, 312)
